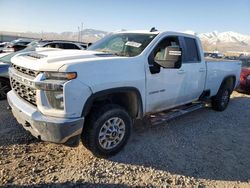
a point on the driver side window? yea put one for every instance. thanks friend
(167, 53)
(160, 53)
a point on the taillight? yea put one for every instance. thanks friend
(244, 74)
(242, 78)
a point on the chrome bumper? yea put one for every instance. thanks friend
(51, 129)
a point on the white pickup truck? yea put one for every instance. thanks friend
(62, 96)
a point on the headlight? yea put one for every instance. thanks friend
(60, 75)
(52, 84)
(49, 86)
(55, 99)
(54, 80)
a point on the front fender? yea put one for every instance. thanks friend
(75, 95)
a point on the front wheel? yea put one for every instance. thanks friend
(107, 130)
(221, 100)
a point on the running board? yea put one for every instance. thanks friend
(174, 113)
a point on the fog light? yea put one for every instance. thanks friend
(55, 99)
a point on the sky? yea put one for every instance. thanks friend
(112, 15)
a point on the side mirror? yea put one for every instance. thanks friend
(169, 58)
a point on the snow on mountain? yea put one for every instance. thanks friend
(214, 38)
(224, 37)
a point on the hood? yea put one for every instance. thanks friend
(52, 60)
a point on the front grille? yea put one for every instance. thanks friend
(25, 92)
(25, 70)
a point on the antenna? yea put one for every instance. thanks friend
(153, 29)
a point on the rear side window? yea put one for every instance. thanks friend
(191, 50)
(22, 43)
(53, 45)
(70, 46)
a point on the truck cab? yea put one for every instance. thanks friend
(190, 66)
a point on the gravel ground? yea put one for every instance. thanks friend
(202, 149)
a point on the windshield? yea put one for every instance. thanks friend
(123, 44)
(33, 43)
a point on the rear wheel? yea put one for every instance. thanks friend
(221, 100)
(107, 130)
(4, 88)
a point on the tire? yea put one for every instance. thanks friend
(107, 130)
(221, 100)
(4, 88)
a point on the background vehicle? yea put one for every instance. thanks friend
(2, 46)
(245, 76)
(60, 96)
(4, 79)
(17, 45)
(62, 44)
(5, 60)
(217, 55)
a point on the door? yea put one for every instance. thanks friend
(165, 86)
(193, 68)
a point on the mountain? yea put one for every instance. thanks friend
(225, 37)
(87, 35)
(224, 41)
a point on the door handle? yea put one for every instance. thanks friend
(202, 70)
(181, 71)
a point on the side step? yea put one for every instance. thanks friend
(164, 116)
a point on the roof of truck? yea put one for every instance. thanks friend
(140, 31)
(157, 32)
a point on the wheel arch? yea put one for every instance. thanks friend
(128, 97)
(229, 81)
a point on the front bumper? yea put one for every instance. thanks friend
(46, 128)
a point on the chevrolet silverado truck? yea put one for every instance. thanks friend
(95, 95)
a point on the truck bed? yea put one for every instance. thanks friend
(219, 60)
(217, 70)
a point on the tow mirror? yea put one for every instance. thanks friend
(169, 58)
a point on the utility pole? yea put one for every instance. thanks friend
(81, 31)
(78, 39)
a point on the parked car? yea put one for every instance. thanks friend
(62, 44)
(245, 77)
(2, 46)
(232, 57)
(217, 55)
(5, 60)
(207, 54)
(96, 94)
(4, 77)
(17, 45)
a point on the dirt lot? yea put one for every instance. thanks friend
(202, 149)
